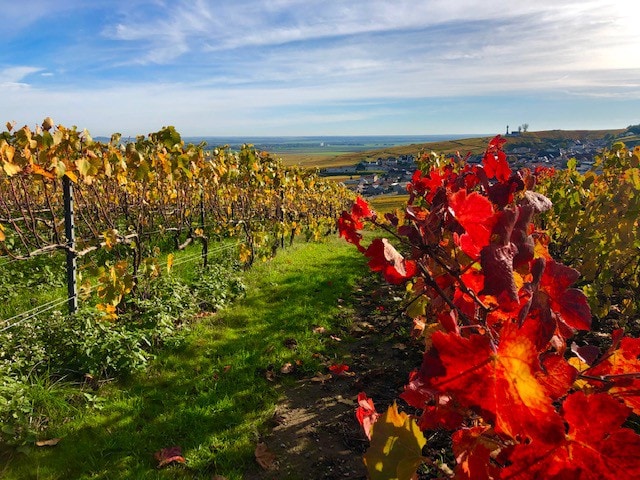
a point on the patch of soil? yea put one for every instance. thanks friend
(314, 433)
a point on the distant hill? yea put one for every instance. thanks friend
(475, 145)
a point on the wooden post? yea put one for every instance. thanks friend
(69, 229)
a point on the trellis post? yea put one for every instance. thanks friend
(69, 229)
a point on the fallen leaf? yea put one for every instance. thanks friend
(321, 378)
(337, 339)
(169, 455)
(218, 477)
(287, 368)
(339, 368)
(270, 374)
(48, 443)
(319, 330)
(226, 368)
(291, 343)
(265, 457)
(366, 413)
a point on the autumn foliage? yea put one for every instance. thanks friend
(497, 315)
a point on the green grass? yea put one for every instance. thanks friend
(210, 396)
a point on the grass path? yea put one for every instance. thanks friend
(211, 396)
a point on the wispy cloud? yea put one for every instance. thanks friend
(12, 77)
(252, 64)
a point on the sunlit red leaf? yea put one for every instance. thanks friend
(570, 303)
(472, 448)
(621, 369)
(366, 413)
(495, 160)
(348, 228)
(338, 368)
(361, 209)
(475, 213)
(595, 446)
(557, 375)
(501, 382)
(444, 413)
(386, 259)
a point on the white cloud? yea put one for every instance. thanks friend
(243, 64)
(12, 77)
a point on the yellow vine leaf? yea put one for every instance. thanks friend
(2, 235)
(170, 259)
(396, 447)
(11, 168)
(108, 310)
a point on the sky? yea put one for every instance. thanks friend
(320, 67)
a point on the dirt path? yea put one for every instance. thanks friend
(315, 434)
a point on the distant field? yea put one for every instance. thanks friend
(340, 159)
(313, 159)
(342, 178)
(475, 145)
(388, 203)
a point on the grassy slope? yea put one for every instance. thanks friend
(210, 397)
(473, 145)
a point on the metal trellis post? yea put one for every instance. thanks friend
(69, 228)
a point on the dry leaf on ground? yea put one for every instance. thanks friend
(265, 457)
(169, 455)
(48, 443)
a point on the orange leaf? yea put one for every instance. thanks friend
(621, 364)
(502, 382)
(595, 445)
(473, 451)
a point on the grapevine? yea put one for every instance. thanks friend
(497, 315)
(130, 193)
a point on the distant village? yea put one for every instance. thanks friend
(390, 175)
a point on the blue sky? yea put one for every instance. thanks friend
(320, 67)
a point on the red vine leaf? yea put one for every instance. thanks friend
(620, 363)
(595, 445)
(386, 259)
(557, 375)
(348, 227)
(361, 209)
(501, 382)
(569, 303)
(475, 213)
(473, 450)
(366, 413)
(169, 455)
(338, 368)
(495, 160)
